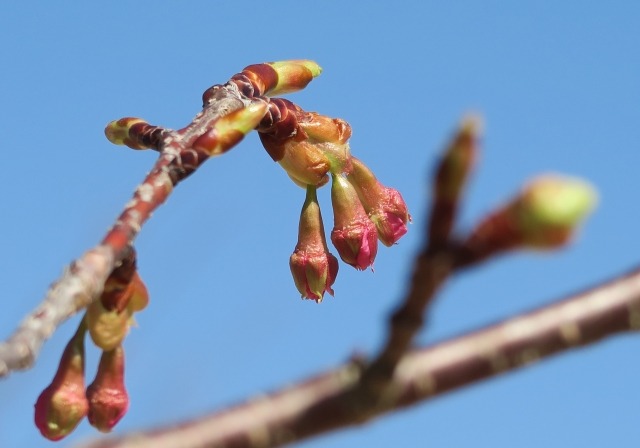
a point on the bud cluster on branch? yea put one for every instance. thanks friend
(313, 150)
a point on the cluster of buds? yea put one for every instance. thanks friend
(66, 401)
(313, 149)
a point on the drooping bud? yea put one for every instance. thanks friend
(229, 129)
(63, 404)
(545, 215)
(385, 206)
(134, 133)
(314, 269)
(107, 395)
(277, 78)
(353, 235)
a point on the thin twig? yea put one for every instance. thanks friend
(319, 404)
(84, 279)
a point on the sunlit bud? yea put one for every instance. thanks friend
(551, 208)
(134, 133)
(277, 78)
(545, 215)
(313, 268)
(385, 206)
(353, 235)
(306, 144)
(63, 404)
(229, 129)
(108, 399)
(107, 327)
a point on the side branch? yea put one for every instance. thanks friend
(321, 404)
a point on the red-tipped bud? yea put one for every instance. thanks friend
(353, 235)
(314, 269)
(385, 205)
(62, 405)
(108, 398)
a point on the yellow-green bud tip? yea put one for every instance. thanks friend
(559, 201)
(551, 207)
(293, 75)
(117, 132)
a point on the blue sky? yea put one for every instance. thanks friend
(558, 84)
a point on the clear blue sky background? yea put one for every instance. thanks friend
(557, 82)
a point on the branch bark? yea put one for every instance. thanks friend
(322, 403)
(83, 280)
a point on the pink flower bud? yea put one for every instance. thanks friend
(314, 269)
(385, 205)
(108, 398)
(62, 405)
(353, 235)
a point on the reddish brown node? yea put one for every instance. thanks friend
(263, 77)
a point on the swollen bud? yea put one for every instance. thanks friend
(109, 318)
(353, 235)
(314, 269)
(277, 78)
(229, 129)
(545, 215)
(385, 206)
(108, 398)
(62, 405)
(134, 133)
(551, 208)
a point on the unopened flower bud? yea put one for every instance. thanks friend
(314, 269)
(545, 215)
(277, 78)
(385, 206)
(353, 235)
(63, 404)
(229, 129)
(306, 144)
(108, 398)
(107, 327)
(551, 208)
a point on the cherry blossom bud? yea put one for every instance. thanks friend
(353, 235)
(550, 209)
(277, 78)
(110, 317)
(307, 145)
(108, 398)
(314, 269)
(545, 215)
(385, 205)
(62, 405)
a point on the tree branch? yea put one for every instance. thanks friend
(83, 280)
(321, 404)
